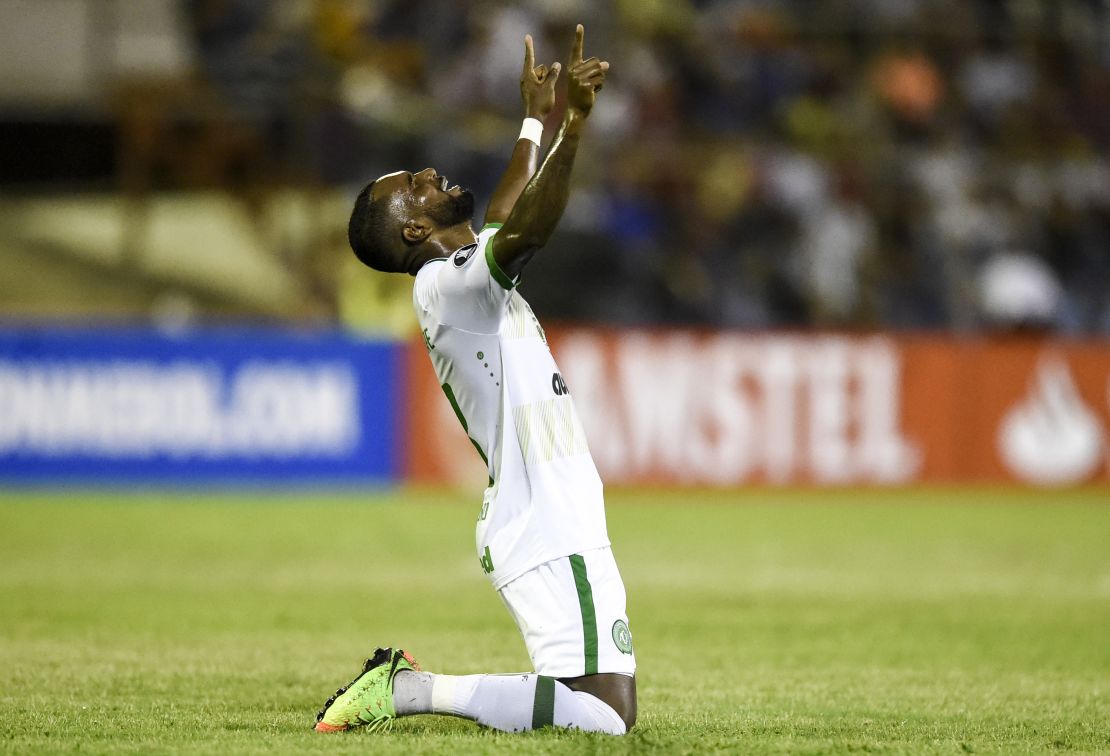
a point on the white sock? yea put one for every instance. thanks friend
(511, 703)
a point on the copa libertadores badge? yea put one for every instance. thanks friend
(622, 637)
(463, 254)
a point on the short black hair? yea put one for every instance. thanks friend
(368, 233)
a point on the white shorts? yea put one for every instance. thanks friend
(571, 612)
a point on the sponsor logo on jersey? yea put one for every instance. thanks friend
(558, 385)
(622, 637)
(486, 560)
(463, 254)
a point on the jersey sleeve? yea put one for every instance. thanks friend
(468, 290)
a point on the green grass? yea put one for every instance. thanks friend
(801, 622)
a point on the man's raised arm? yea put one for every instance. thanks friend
(540, 206)
(537, 90)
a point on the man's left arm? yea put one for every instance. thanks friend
(537, 90)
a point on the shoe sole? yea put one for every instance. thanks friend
(325, 727)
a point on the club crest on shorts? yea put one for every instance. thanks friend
(622, 637)
(462, 254)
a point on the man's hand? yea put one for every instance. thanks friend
(536, 211)
(537, 84)
(537, 90)
(585, 77)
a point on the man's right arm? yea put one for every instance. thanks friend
(540, 206)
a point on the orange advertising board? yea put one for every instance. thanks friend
(674, 408)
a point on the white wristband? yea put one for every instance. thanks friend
(532, 130)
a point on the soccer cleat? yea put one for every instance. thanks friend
(368, 699)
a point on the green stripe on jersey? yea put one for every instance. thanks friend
(589, 617)
(543, 707)
(495, 270)
(462, 420)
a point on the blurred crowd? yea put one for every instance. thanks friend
(906, 164)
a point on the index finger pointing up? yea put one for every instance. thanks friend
(529, 54)
(576, 51)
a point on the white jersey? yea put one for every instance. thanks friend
(544, 499)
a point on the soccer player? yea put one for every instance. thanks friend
(541, 535)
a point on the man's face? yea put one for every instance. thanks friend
(426, 193)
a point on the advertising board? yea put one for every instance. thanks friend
(677, 408)
(220, 405)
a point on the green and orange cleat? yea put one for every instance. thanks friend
(367, 701)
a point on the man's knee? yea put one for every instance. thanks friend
(616, 690)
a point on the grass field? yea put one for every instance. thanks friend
(802, 622)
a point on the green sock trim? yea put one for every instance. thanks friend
(589, 617)
(543, 708)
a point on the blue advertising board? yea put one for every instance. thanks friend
(252, 405)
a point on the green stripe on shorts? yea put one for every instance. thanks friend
(589, 617)
(543, 708)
